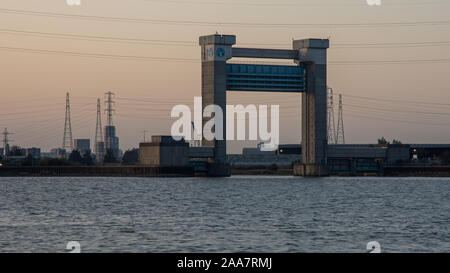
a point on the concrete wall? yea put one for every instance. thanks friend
(149, 154)
(164, 152)
(174, 156)
(262, 160)
(397, 153)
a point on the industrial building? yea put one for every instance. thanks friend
(82, 145)
(343, 159)
(348, 158)
(112, 141)
(34, 152)
(59, 153)
(428, 152)
(100, 150)
(164, 151)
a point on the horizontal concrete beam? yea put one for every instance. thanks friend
(201, 152)
(239, 52)
(311, 43)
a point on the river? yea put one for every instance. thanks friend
(237, 214)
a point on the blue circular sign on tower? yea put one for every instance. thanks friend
(220, 52)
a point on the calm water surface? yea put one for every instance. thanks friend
(238, 214)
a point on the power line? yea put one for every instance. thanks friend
(238, 24)
(99, 38)
(391, 44)
(397, 111)
(97, 55)
(358, 114)
(392, 62)
(169, 59)
(320, 4)
(396, 100)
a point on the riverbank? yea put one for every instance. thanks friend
(98, 171)
(404, 171)
(417, 171)
(146, 171)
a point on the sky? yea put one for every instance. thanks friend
(391, 63)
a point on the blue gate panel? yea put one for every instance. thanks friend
(268, 78)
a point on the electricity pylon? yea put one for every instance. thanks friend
(67, 140)
(6, 141)
(99, 140)
(332, 138)
(340, 129)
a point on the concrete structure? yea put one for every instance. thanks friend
(164, 151)
(59, 153)
(48, 155)
(354, 159)
(17, 151)
(398, 153)
(266, 160)
(34, 152)
(343, 159)
(257, 152)
(201, 152)
(312, 52)
(14, 159)
(100, 151)
(308, 76)
(112, 141)
(290, 149)
(429, 152)
(95, 171)
(82, 145)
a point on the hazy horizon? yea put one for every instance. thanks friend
(393, 77)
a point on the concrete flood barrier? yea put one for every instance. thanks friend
(99, 171)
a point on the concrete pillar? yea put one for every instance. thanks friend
(216, 50)
(313, 55)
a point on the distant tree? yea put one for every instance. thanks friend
(88, 160)
(396, 142)
(109, 157)
(53, 162)
(131, 157)
(382, 141)
(75, 157)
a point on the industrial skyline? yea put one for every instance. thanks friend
(151, 61)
